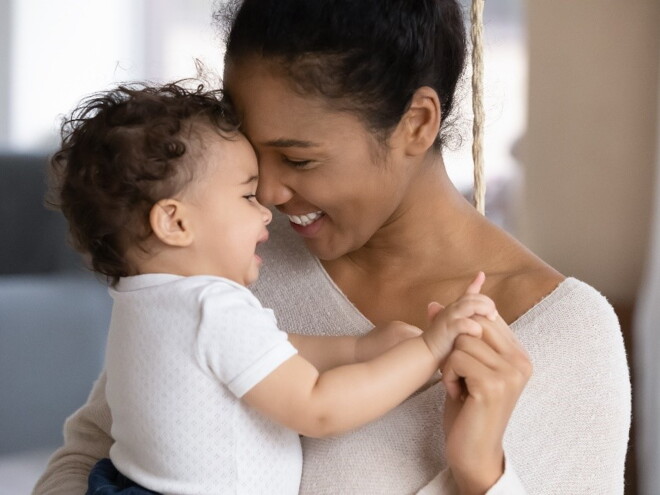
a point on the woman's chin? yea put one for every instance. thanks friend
(324, 250)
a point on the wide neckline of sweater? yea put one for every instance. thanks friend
(557, 294)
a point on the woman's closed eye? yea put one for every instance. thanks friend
(296, 163)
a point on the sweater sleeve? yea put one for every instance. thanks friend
(86, 441)
(569, 431)
(508, 484)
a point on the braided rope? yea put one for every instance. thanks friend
(477, 14)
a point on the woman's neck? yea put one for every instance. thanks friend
(433, 225)
(435, 243)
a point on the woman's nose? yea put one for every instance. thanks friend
(272, 190)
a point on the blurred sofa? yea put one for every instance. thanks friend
(53, 314)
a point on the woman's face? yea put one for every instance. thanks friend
(319, 166)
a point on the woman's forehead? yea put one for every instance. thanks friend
(271, 110)
(253, 85)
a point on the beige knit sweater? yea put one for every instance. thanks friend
(567, 436)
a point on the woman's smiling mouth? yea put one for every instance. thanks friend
(309, 224)
(306, 219)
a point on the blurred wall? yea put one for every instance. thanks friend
(589, 153)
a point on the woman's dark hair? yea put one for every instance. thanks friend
(364, 56)
(122, 151)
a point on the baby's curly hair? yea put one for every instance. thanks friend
(122, 151)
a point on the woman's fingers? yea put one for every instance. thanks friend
(471, 359)
(498, 335)
(475, 368)
(480, 351)
(461, 371)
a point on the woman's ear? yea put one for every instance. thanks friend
(421, 122)
(169, 223)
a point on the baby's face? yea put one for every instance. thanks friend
(227, 221)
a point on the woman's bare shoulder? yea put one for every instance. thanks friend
(516, 291)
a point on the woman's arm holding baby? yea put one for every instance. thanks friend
(86, 440)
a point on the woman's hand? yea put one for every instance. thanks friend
(484, 379)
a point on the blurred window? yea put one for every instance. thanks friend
(505, 96)
(58, 52)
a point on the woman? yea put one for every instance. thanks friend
(347, 105)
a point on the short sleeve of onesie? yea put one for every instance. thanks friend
(239, 341)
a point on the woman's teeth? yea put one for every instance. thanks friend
(305, 220)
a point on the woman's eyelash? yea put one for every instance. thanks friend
(296, 163)
(250, 196)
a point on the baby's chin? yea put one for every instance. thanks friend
(251, 279)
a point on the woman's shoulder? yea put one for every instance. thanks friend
(541, 291)
(542, 302)
(567, 300)
(516, 291)
(572, 318)
(576, 346)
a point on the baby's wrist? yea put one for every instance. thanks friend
(427, 337)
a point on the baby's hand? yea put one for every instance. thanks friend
(454, 320)
(382, 338)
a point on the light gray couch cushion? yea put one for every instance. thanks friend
(52, 339)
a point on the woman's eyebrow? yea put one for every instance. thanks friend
(291, 143)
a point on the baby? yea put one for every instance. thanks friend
(207, 395)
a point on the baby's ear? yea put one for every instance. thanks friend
(169, 223)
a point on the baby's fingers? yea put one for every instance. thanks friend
(471, 305)
(433, 309)
(476, 284)
(465, 326)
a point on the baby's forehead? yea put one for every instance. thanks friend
(217, 152)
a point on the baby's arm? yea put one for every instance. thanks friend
(324, 404)
(326, 352)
